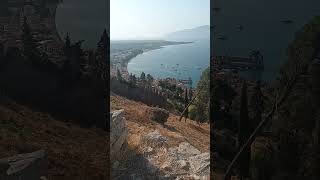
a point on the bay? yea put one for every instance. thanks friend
(174, 61)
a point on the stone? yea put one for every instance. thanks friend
(187, 149)
(115, 165)
(159, 115)
(118, 133)
(200, 164)
(155, 140)
(184, 165)
(24, 166)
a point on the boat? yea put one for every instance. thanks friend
(240, 27)
(287, 21)
(222, 38)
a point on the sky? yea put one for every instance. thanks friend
(153, 19)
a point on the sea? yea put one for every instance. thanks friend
(262, 29)
(181, 61)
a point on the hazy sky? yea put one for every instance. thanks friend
(152, 19)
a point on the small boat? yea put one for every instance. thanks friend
(222, 38)
(240, 27)
(287, 21)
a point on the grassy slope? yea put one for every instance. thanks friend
(138, 123)
(73, 152)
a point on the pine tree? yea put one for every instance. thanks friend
(103, 48)
(244, 133)
(143, 76)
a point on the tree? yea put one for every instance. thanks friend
(202, 100)
(143, 76)
(186, 102)
(244, 133)
(149, 79)
(119, 76)
(190, 94)
(103, 48)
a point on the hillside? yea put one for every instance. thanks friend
(136, 114)
(73, 152)
(197, 33)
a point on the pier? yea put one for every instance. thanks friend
(254, 61)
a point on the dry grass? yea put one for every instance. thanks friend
(139, 124)
(73, 152)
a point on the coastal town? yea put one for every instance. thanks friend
(120, 57)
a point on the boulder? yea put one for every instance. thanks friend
(118, 133)
(159, 115)
(29, 166)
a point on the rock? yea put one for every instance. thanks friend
(155, 140)
(200, 164)
(24, 166)
(159, 115)
(115, 165)
(184, 165)
(118, 133)
(187, 150)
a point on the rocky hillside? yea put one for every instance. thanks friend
(173, 150)
(73, 152)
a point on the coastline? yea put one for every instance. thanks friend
(122, 65)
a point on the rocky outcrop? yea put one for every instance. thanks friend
(159, 115)
(29, 166)
(180, 162)
(118, 134)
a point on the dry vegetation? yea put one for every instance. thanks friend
(73, 152)
(139, 124)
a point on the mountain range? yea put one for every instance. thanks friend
(197, 33)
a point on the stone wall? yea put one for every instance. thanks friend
(118, 133)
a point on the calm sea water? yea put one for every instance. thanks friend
(262, 29)
(177, 61)
(83, 20)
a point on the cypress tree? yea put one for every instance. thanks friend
(186, 101)
(143, 76)
(244, 133)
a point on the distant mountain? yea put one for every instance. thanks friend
(198, 33)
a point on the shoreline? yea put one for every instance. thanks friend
(123, 64)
